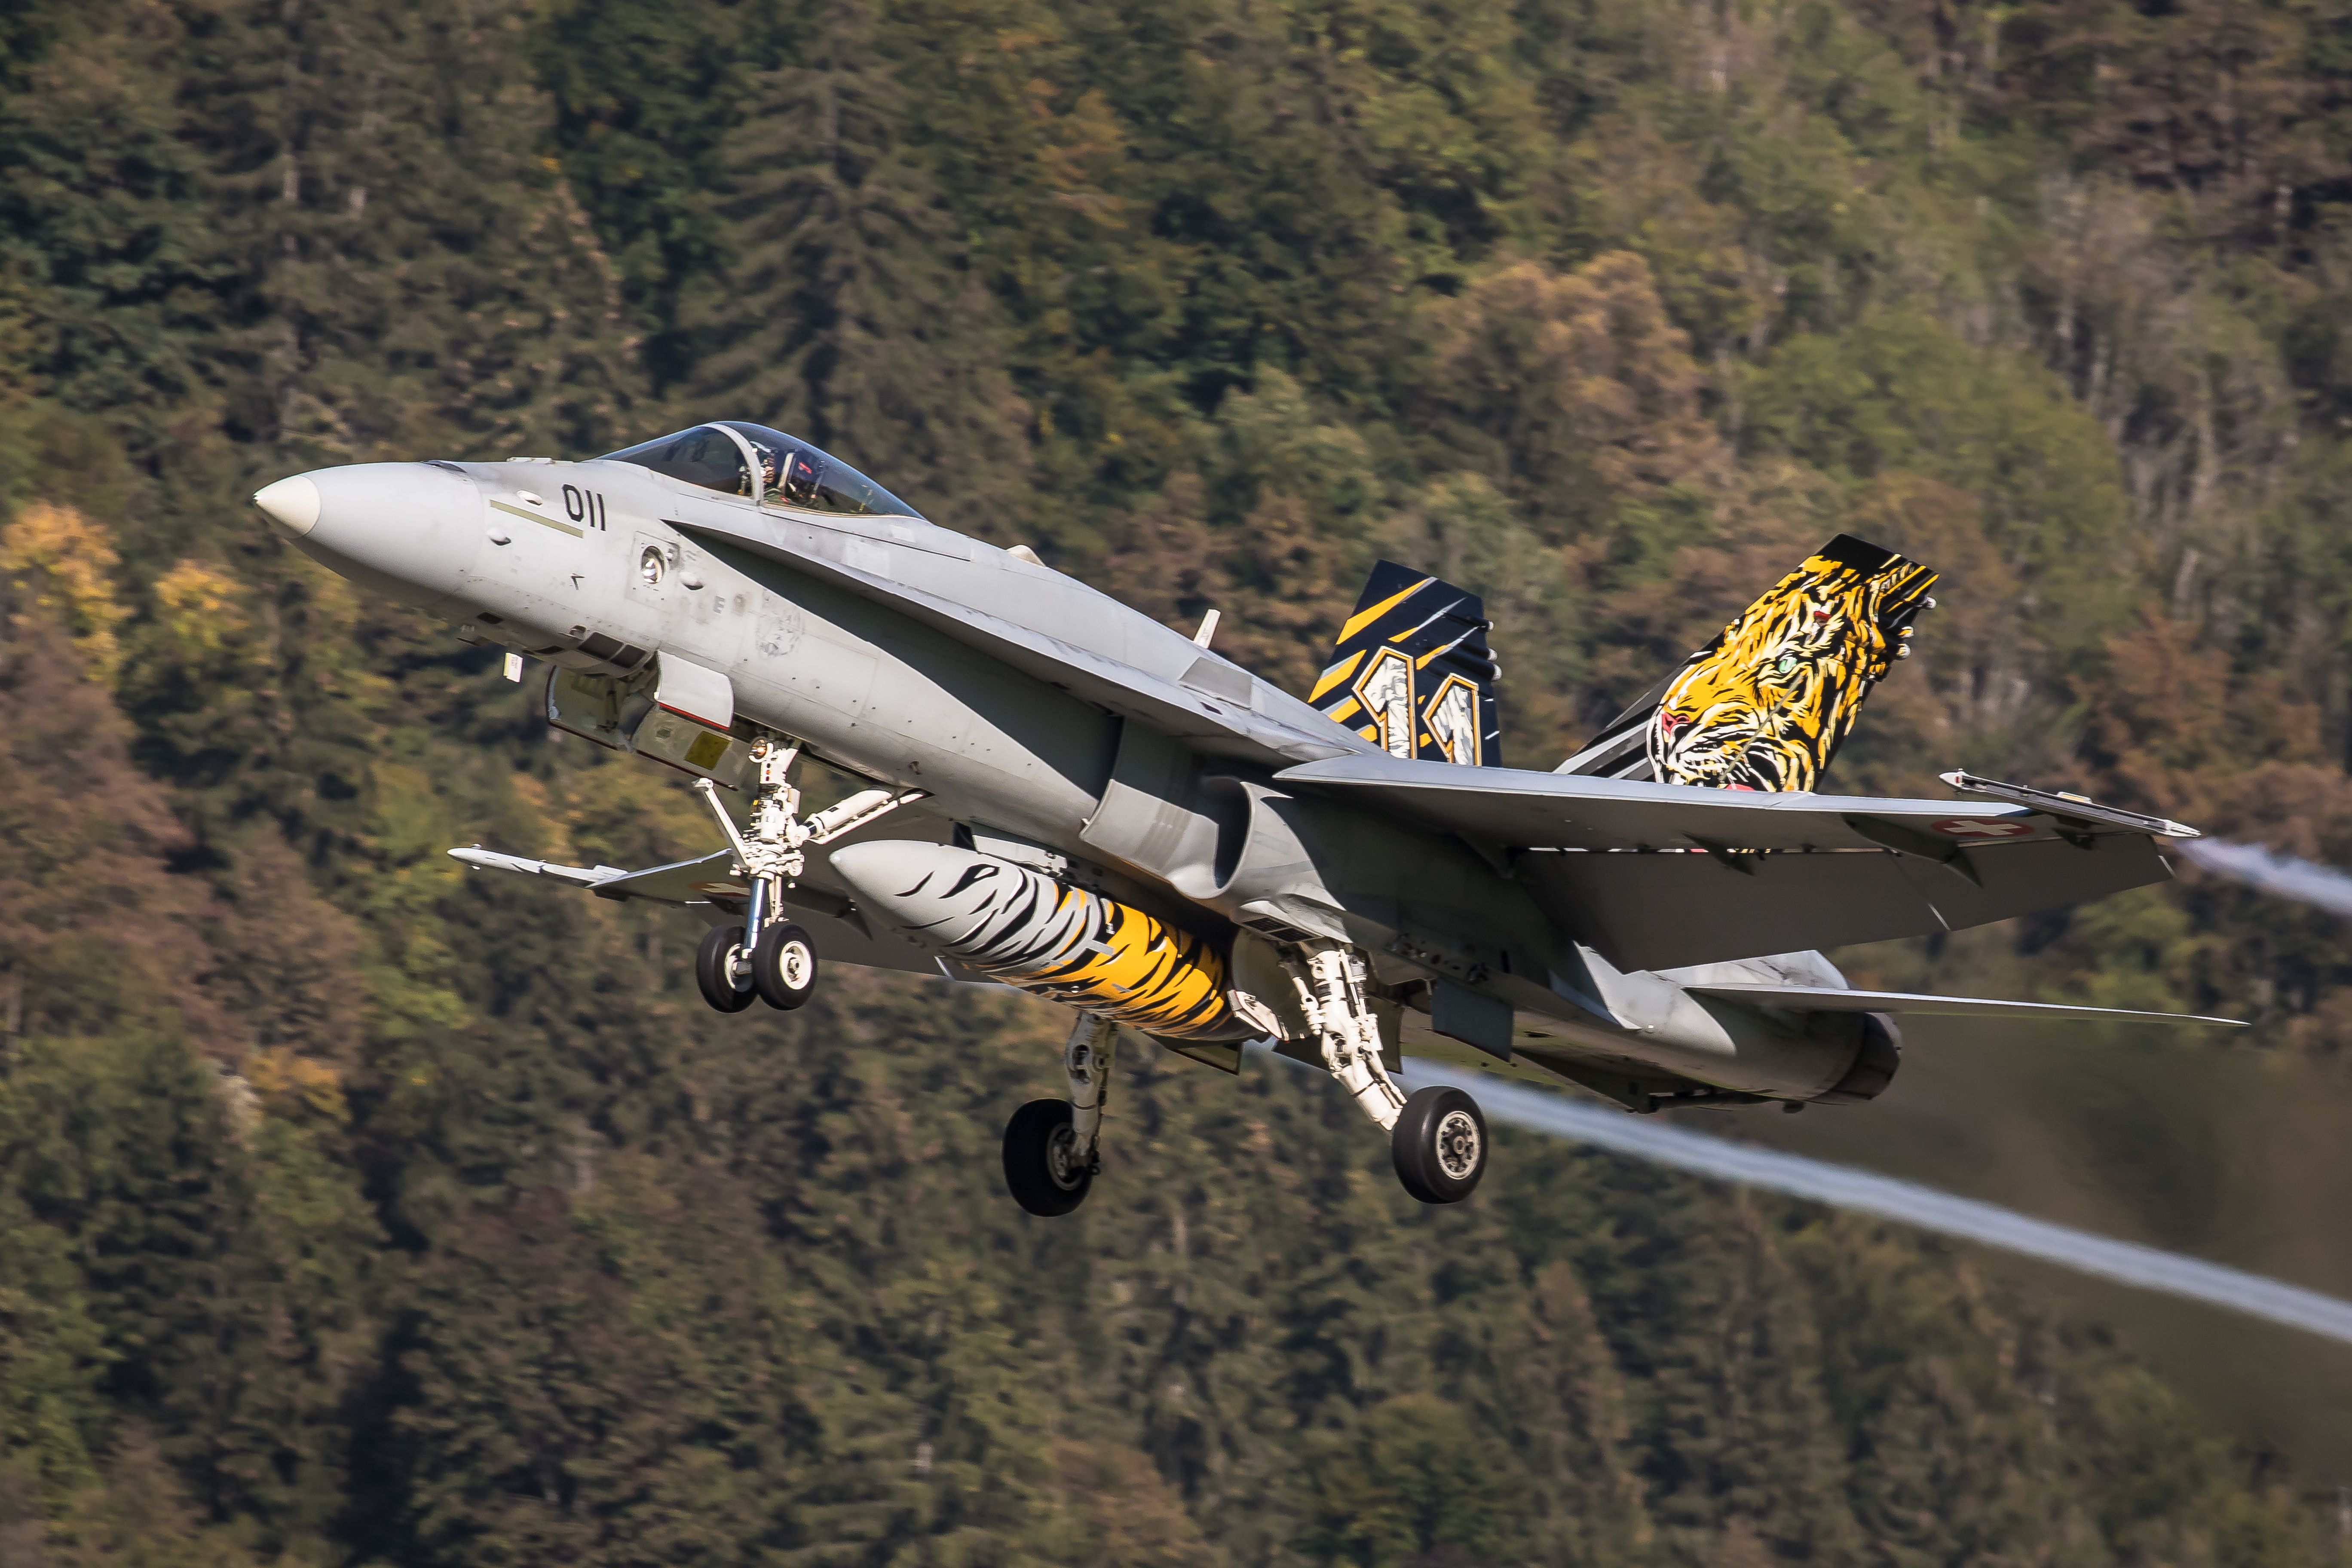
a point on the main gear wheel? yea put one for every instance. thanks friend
(1440, 1144)
(1044, 1165)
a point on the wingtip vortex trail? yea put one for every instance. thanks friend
(1904, 1203)
(2266, 870)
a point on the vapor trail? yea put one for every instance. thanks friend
(2283, 875)
(1906, 1203)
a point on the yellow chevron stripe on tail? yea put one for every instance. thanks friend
(1411, 672)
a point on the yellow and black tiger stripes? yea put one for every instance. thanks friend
(1041, 934)
(1137, 970)
(1101, 956)
(1767, 703)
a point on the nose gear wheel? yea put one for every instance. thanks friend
(783, 966)
(719, 972)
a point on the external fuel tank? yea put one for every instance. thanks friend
(1046, 937)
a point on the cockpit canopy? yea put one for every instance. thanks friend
(739, 459)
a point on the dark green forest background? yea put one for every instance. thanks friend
(355, 1212)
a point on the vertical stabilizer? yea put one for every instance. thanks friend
(1766, 704)
(1411, 672)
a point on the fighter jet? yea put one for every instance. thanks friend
(1065, 797)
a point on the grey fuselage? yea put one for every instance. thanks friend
(830, 629)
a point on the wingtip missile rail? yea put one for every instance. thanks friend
(2068, 807)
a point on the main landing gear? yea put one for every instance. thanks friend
(1438, 1136)
(1051, 1146)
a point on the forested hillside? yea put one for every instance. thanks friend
(355, 1212)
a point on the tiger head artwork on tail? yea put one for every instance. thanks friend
(1764, 705)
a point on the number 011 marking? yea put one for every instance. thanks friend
(584, 506)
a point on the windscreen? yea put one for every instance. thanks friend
(702, 455)
(796, 474)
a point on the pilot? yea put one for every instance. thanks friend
(798, 480)
(770, 477)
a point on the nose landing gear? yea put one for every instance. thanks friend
(768, 956)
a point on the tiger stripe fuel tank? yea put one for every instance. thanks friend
(1046, 937)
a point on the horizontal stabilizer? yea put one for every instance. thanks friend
(1827, 999)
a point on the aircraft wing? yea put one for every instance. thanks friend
(1832, 869)
(1829, 999)
(1213, 708)
(1527, 810)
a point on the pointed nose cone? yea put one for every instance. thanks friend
(292, 504)
(405, 531)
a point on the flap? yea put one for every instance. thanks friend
(1825, 999)
(1663, 911)
(698, 693)
(834, 931)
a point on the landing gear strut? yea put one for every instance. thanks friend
(767, 955)
(1051, 1146)
(1438, 1138)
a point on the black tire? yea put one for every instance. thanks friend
(783, 966)
(1440, 1144)
(1040, 1149)
(714, 969)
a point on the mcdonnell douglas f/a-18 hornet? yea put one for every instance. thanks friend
(1068, 798)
